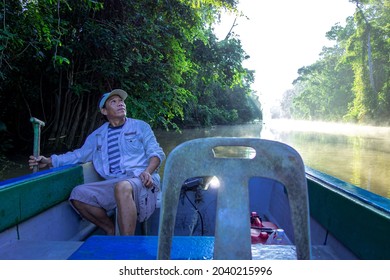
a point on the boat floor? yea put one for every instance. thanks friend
(38, 250)
(141, 248)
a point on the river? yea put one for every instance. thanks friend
(356, 154)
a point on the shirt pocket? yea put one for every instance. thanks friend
(133, 143)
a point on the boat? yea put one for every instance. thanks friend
(321, 216)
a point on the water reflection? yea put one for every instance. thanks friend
(170, 139)
(356, 154)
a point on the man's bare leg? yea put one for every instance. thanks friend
(127, 210)
(95, 215)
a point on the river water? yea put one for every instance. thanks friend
(356, 154)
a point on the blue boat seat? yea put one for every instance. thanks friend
(200, 157)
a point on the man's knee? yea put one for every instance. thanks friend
(77, 205)
(124, 188)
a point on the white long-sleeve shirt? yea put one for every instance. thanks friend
(137, 144)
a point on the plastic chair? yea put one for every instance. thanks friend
(273, 160)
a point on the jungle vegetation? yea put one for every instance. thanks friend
(58, 57)
(350, 81)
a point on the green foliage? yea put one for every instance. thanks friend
(323, 90)
(351, 80)
(221, 86)
(58, 56)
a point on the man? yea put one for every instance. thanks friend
(125, 152)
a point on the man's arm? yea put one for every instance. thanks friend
(146, 176)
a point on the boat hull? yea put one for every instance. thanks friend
(38, 223)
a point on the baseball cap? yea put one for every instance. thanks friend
(107, 95)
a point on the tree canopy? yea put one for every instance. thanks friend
(351, 80)
(57, 58)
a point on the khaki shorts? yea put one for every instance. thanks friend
(101, 194)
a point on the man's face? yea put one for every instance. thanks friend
(114, 107)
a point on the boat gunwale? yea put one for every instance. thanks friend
(25, 178)
(364, 196)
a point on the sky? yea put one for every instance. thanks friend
(281, 36)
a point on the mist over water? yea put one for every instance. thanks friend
(356, 154)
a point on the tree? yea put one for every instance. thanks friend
(367, 51)
(350, 81)
(57, 57)
(221, 86)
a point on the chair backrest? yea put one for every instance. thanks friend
(273, 160)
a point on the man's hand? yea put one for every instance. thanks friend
(146, 179)
(41, 161)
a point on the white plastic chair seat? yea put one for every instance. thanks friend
(273, 160)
